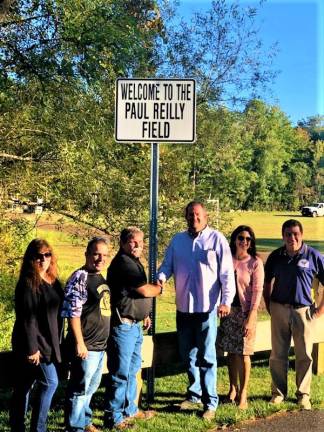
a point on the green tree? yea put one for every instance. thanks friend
(58, 64)
(314, 125)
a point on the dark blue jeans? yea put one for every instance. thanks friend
(45, 379)
(124, 361)
(197, 338)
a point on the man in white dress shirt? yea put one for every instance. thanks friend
(200, 261)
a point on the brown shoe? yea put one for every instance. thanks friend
(141, 415)
(209, 415)
(276, 399)
(124, 425)
(91, 428)
(187, 405)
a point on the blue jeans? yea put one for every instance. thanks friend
(84, 381)
(124, 361)
(197, 338)
(45, 379)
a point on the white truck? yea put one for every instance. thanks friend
(314, 210)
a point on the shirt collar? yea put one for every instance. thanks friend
(201, 233)
(301, 251)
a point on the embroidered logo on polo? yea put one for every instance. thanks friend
(104, 293)
(303, 263)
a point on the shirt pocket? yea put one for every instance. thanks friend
(208, 257)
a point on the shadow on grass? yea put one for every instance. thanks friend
(292, 216)
(268, 245)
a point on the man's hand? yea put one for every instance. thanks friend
(81, 351)
(34, 358)
(223, 311)
(147, 323)
(319, 311)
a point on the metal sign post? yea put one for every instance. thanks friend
(153, 248)
(155, 111)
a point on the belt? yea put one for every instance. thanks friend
(293, 306)
(125, 320)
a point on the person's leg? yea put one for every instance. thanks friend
(188, 350)
(121, 346)
(82, 372)
(233, 373)
(23, 381)
(244, 371)
(302, 330)
(131, 407)
(97, 358)
(280, 341)
(206, 332)
(47, 382)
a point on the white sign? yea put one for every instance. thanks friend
(153, 110)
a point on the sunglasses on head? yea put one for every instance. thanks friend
(242, 238)
(43, 255)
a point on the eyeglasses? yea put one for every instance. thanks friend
(242, 238)
(40, 255)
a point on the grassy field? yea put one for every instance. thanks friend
(267, 227)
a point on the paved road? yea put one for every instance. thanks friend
(304, 421)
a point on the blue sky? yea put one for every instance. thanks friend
(298, 27)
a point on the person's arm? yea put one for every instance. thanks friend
(29, 313)
(257, 281)
(166, 269)
(319, 310)
(130, 276)
(150, 290)
(268, 281)
(267, 293)
(226, 277)
(80, 347)
(76, 295)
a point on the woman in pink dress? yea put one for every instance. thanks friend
(237, 330)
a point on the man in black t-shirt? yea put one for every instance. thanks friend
(87, 307)
(130, 304)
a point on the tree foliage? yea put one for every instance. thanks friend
(90, 40)
(220, 48)
(58, 63)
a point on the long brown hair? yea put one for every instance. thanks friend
(29, 273)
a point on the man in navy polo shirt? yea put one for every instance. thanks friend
(289, 274)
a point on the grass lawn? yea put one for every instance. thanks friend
(169, 392)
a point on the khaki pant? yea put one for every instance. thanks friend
(287, 322)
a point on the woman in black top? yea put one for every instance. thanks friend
(36, 336)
